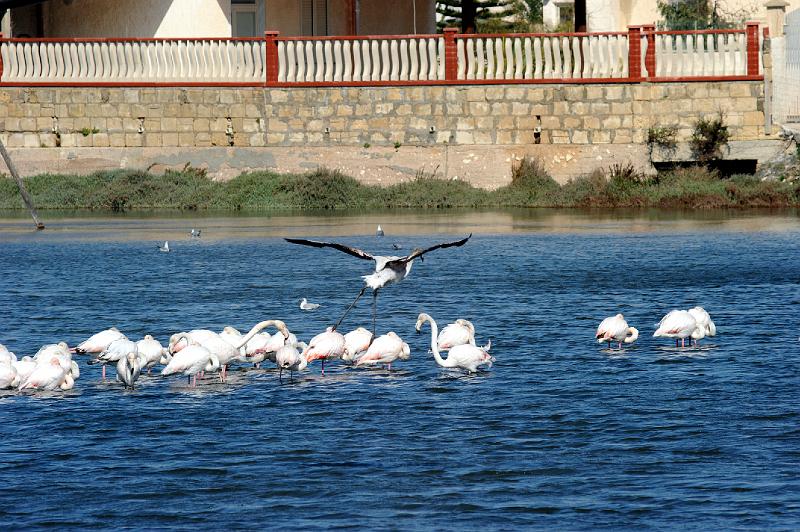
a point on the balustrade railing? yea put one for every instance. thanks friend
(640, 54)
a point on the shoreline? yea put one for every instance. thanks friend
(329, 190)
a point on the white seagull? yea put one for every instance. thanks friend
(388, 269)
(305, 305)
(165, 247)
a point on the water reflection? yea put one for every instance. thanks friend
(176, 226)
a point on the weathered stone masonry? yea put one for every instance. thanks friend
(582, 116)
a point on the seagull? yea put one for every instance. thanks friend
(165, 247)
(388, 270)
(305, 305)
(397, 246)
(195, 233)
(379, 231)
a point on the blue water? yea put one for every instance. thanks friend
(560, 433)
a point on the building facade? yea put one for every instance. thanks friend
(214, 18)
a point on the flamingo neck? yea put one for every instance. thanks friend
(258, 327)
(434, 347)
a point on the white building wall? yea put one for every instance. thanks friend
(138, 18)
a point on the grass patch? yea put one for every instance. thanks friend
(531, 186)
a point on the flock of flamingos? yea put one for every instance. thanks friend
(200, 351)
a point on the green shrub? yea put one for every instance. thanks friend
(710, 135)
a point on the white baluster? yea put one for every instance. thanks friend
(319, 60)
(338, 60)
(529, 62)
(405, 61)
(303, 61)
(440, 58)
(588, 60)
(537, 53)
(424, 46)
(547, 49)
(376, 60)
(566, 67)
(291, 62)
(623, 55)
(384, 76)
(719, 56)
(489, 59)
(509, 59)
(36, 65)
(350, 60)
(327, 49)
(499, 59)
(519, 64)
(413, 65)
(366, 58)
(555, 47)
(394, 74)
(474, 61)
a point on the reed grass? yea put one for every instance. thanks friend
(531, 186)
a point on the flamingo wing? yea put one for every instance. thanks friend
(419, 252)
(335, 245)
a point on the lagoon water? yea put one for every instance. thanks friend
(560, 433)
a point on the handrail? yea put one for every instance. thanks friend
(640, 54)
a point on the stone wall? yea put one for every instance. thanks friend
(593, 119)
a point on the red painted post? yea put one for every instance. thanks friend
(1, 57)
(450, 54)
(271, 68)
(650, 53)
(751, 29)
(635, 52)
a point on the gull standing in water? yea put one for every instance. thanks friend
(388, 269)
(165, 247)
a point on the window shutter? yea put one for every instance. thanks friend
(307, 17)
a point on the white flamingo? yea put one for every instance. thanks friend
(678, 324)
(99, 342)
(388, 269)
(190, 360)
(24, 367)
(48, 375)
(704, 323)
(325, 346)
(129, 368)
(385, 350)
(356, 343)
(459, 333)
(115, 351)
(465, 356)
(151, 352)
(289, 357)
(616, 329)
(9, 378)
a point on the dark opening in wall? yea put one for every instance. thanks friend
(725, 167)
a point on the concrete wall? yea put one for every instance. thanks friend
(592, 123)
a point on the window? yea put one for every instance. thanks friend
(314, 17)
(243, 18)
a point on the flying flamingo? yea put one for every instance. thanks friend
(459, 333)
(356, 343)
(678, 324)
(616, 329)
(325, 346)
(465, 356)
(385, 350)
(388, 269)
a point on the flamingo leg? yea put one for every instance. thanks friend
(104, 372)
(374, 313)
(389, 366)
(361, 293)
(323, 366)
(194, 381)
(280, 374)
(188, 379)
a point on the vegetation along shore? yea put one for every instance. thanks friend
(617, 186)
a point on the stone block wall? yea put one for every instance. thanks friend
(508, 115)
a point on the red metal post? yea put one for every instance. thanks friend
(650, 53)
(635, 52)
(450, 54)
(1, 58)
(271, 68)
(751, 29)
